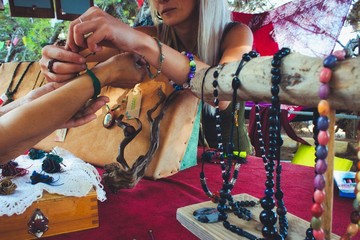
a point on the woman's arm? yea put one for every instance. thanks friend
(24, 126)
(110, 32)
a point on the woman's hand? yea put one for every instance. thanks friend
(95, 29)
(60, 65)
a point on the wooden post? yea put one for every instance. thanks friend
(329, 178)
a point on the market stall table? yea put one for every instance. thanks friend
(152, 205)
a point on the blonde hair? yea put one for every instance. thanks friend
(213, 17)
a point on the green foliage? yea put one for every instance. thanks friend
(23, 38)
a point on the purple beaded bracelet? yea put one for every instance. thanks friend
(191, 74)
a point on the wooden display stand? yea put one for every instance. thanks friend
(216, 231)
(65, 214)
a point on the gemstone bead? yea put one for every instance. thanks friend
(321, 166)
(339, 54)
(319, 181)
(319, 196)
(268, 217)
(325, 75)
(323, 137)
(316, 223)
(317, 210)
(323, 123)
(324, 91)
(321, 151)
(323, 108)
(319, 234)
(352, 229)
(330, 61)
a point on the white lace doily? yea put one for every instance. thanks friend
(76, 179)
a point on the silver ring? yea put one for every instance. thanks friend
(81, 21)
(88, 35)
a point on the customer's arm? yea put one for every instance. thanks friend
(24, 126)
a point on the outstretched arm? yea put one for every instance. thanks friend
(27, 124)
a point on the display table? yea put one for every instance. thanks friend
(152, 205)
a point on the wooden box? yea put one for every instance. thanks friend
(65, 214)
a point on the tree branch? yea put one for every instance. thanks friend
(299, 84)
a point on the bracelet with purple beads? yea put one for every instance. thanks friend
(191, 74)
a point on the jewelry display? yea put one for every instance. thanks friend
(7, 187)
(227, 153)
(322, 141)
(36, 153)
(51, 163)
(43, 178)
(9, 94)
(120, 175)
(11, 169)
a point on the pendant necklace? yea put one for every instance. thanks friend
(9, 95)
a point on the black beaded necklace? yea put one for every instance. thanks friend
(268, 217)
(10, 92)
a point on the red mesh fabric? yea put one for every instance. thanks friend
(308, 27)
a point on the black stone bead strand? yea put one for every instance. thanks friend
(281, 209)
(268, 217)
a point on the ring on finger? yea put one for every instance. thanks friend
(81, 21)
(50, 65)
(86, 35)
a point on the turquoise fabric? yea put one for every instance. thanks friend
(190, 157)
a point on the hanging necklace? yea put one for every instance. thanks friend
(268, 217)
(9, 95)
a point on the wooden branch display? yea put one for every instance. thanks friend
(299, 84)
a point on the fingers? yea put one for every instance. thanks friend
(87, 114)
(93, 30)
(58, 64)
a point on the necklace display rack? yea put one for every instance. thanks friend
(260, 224)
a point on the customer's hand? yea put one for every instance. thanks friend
(60, 65)
(83, 116)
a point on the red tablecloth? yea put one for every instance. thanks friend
(129, 214)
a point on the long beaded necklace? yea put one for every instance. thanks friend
(322, 151)
(268, 217)
(225, 193)
(8, 96)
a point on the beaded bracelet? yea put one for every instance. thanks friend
(191, 74)
(96, 83)
(161, 61)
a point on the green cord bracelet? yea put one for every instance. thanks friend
(161, 60)
(96, 83)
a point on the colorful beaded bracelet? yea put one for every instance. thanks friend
(191, 74)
